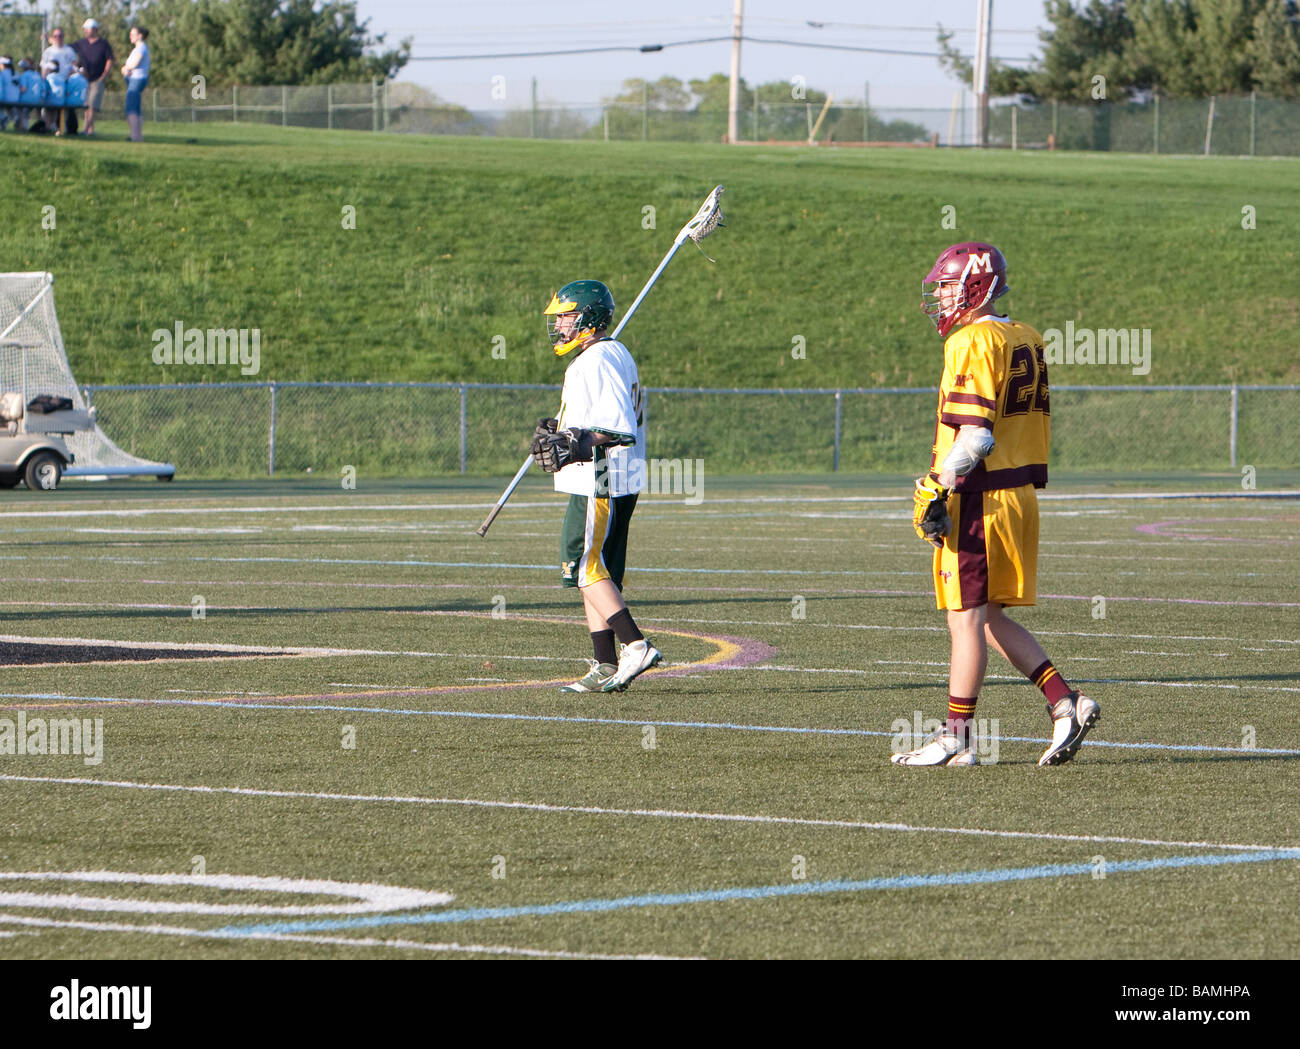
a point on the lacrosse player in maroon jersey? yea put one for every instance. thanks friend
(978, 504)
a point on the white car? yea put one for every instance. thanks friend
(32, 445)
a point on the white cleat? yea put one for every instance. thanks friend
(595, 678)
(634, 660)
(1072, 717)
(940, 748)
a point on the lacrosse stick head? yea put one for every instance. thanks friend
(706, 220)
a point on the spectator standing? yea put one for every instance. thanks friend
(136, 72)
(58, 58)
(96, 60)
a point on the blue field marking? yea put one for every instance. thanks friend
(802, 730)
(758, 892)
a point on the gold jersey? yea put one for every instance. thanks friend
(995, 376)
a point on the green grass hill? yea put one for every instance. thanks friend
(461, 240)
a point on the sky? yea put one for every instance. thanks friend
(503, 26)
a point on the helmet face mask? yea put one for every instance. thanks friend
(576, 313)
(561, 329)
(965, 277)
(944, 302)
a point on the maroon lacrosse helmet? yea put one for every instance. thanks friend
(980, 274)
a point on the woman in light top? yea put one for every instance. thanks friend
(136, 71)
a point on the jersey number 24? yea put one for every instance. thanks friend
(1027, 383)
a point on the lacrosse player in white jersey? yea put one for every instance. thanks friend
(596, 449)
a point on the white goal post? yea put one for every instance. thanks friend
(33, 362)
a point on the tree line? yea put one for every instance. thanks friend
(242, 42)
(778, 109)
(1180, 48)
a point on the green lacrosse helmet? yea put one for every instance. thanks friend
(593, 304)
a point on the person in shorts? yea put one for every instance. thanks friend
(95, 55)
(978, 504)
(596, 449)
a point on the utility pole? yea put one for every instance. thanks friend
(733, 96)
(983, 33)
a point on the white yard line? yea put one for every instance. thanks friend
(474, 504)
(1005, 678)
(799, 624)
(289, 650)
(329, 941)
(596, 810)
(316, 508)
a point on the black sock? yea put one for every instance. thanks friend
(603, 642)
(621, 623)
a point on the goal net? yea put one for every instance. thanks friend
(33, 362)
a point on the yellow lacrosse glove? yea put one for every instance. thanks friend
(930, 511)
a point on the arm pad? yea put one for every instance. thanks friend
(972, 446)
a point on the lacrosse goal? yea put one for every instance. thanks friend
(33, 364)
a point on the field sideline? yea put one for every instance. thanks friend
(359, 749)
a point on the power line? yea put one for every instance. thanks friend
(690, 43)
(528, 28)
(881, 28)
(445, 30)
(851, 47)
(569, 51)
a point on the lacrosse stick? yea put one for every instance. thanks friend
(706, 220)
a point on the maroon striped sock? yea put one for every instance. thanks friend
(1049, 680)
(960, 712)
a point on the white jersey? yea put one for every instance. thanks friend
(603, 392)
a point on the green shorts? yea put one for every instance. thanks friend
(593, 545)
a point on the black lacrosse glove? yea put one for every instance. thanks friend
(930, 511)
(557, 450)
(545, 427)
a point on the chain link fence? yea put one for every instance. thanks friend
(1223, 126)
(1233, 126)
(245, 430)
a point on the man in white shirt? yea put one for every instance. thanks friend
(596, 449)
(58, 58)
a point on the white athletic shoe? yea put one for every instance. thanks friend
(595, 678)
(633, 660)
(1072, 717)
(940, 748)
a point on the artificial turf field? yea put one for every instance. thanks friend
(764, 821)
